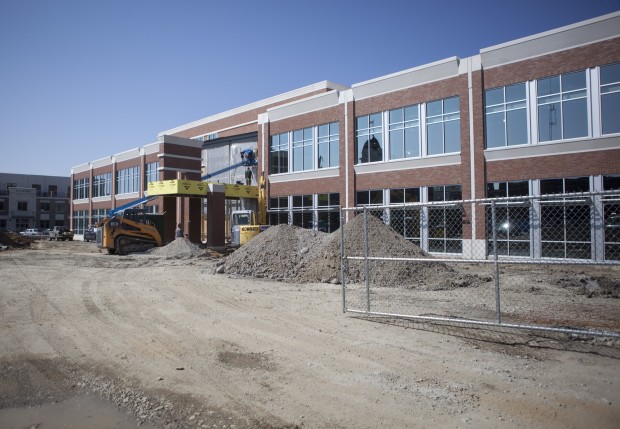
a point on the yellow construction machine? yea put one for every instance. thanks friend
(128, 231)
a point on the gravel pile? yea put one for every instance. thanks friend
(180, 248)
(290, 253)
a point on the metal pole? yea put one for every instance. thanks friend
(495, 263)
(342, 262)
(366, 259)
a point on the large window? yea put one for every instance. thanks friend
(443, 126)
(80, 188)
(512, 219)
(506, 116)
(406, 220)
(302, 149)
(128, 180)
(328, 213)
(80, 221)
(369, 138)
(97, 216)
(610, 98)
(328, 145)
(278, 154)
(278, 210)
(151, 174)
(404, 129)
(565, 222)
(302, 211)
(445, 223)
(102, 185)
(562, 107)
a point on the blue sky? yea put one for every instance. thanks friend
(81, 80)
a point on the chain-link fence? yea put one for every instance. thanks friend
(545, 263)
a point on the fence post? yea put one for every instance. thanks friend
(366, 259)
(342, 262)
(495, 264)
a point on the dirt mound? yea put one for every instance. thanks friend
(279, 252)
(178, 249)
(286, 252)
(13, 239)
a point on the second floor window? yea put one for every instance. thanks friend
(443, 126)
(278, 154)
(128, 180)
(369, 138)
(610, 98)
(328, 148)
(506, 116)
(102, 185)
(80, 188)
(152, 173)
(302, 149)
(562, 107)
(405, 132)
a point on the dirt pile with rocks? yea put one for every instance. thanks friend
(286, 252)
(181, 248)
(12, 239)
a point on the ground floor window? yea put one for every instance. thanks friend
(565, 223)
(406, 220)
(97, 216)
(445, 221)
(278, 210)
(80, 221)
(512, 219)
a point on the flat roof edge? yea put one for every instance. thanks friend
(251, 106)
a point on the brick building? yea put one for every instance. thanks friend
(532, 116)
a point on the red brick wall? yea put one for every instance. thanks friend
(554, 64)
(555, 166)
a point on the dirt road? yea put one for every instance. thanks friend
(178, 346)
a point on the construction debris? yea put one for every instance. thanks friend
(15, 240)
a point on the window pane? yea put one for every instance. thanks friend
(610, 113)
(396, 116)
(575, 118)
(434, 137)
(433, 108)
(496, 190)
(334, 128)
(323, 130)
(376, 197)
(518, 189)
(578, 184)
(412, 195)
(574, 81)
(412, 142)
(515, 92)
(551, 186)
(362, 122)
(494, 96)
(549, 122)
(323, 159)
(362, 198)
(375, 120)
(610, 74)
(453, 136)
(333, 154)
(308, 157)
(494, 132)
(516, 127)
(298, 159)
(397, 196)
(396, 144)
(451, 105)
(411, 113)
(548, 86)
(611, 183)
(435, 193)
